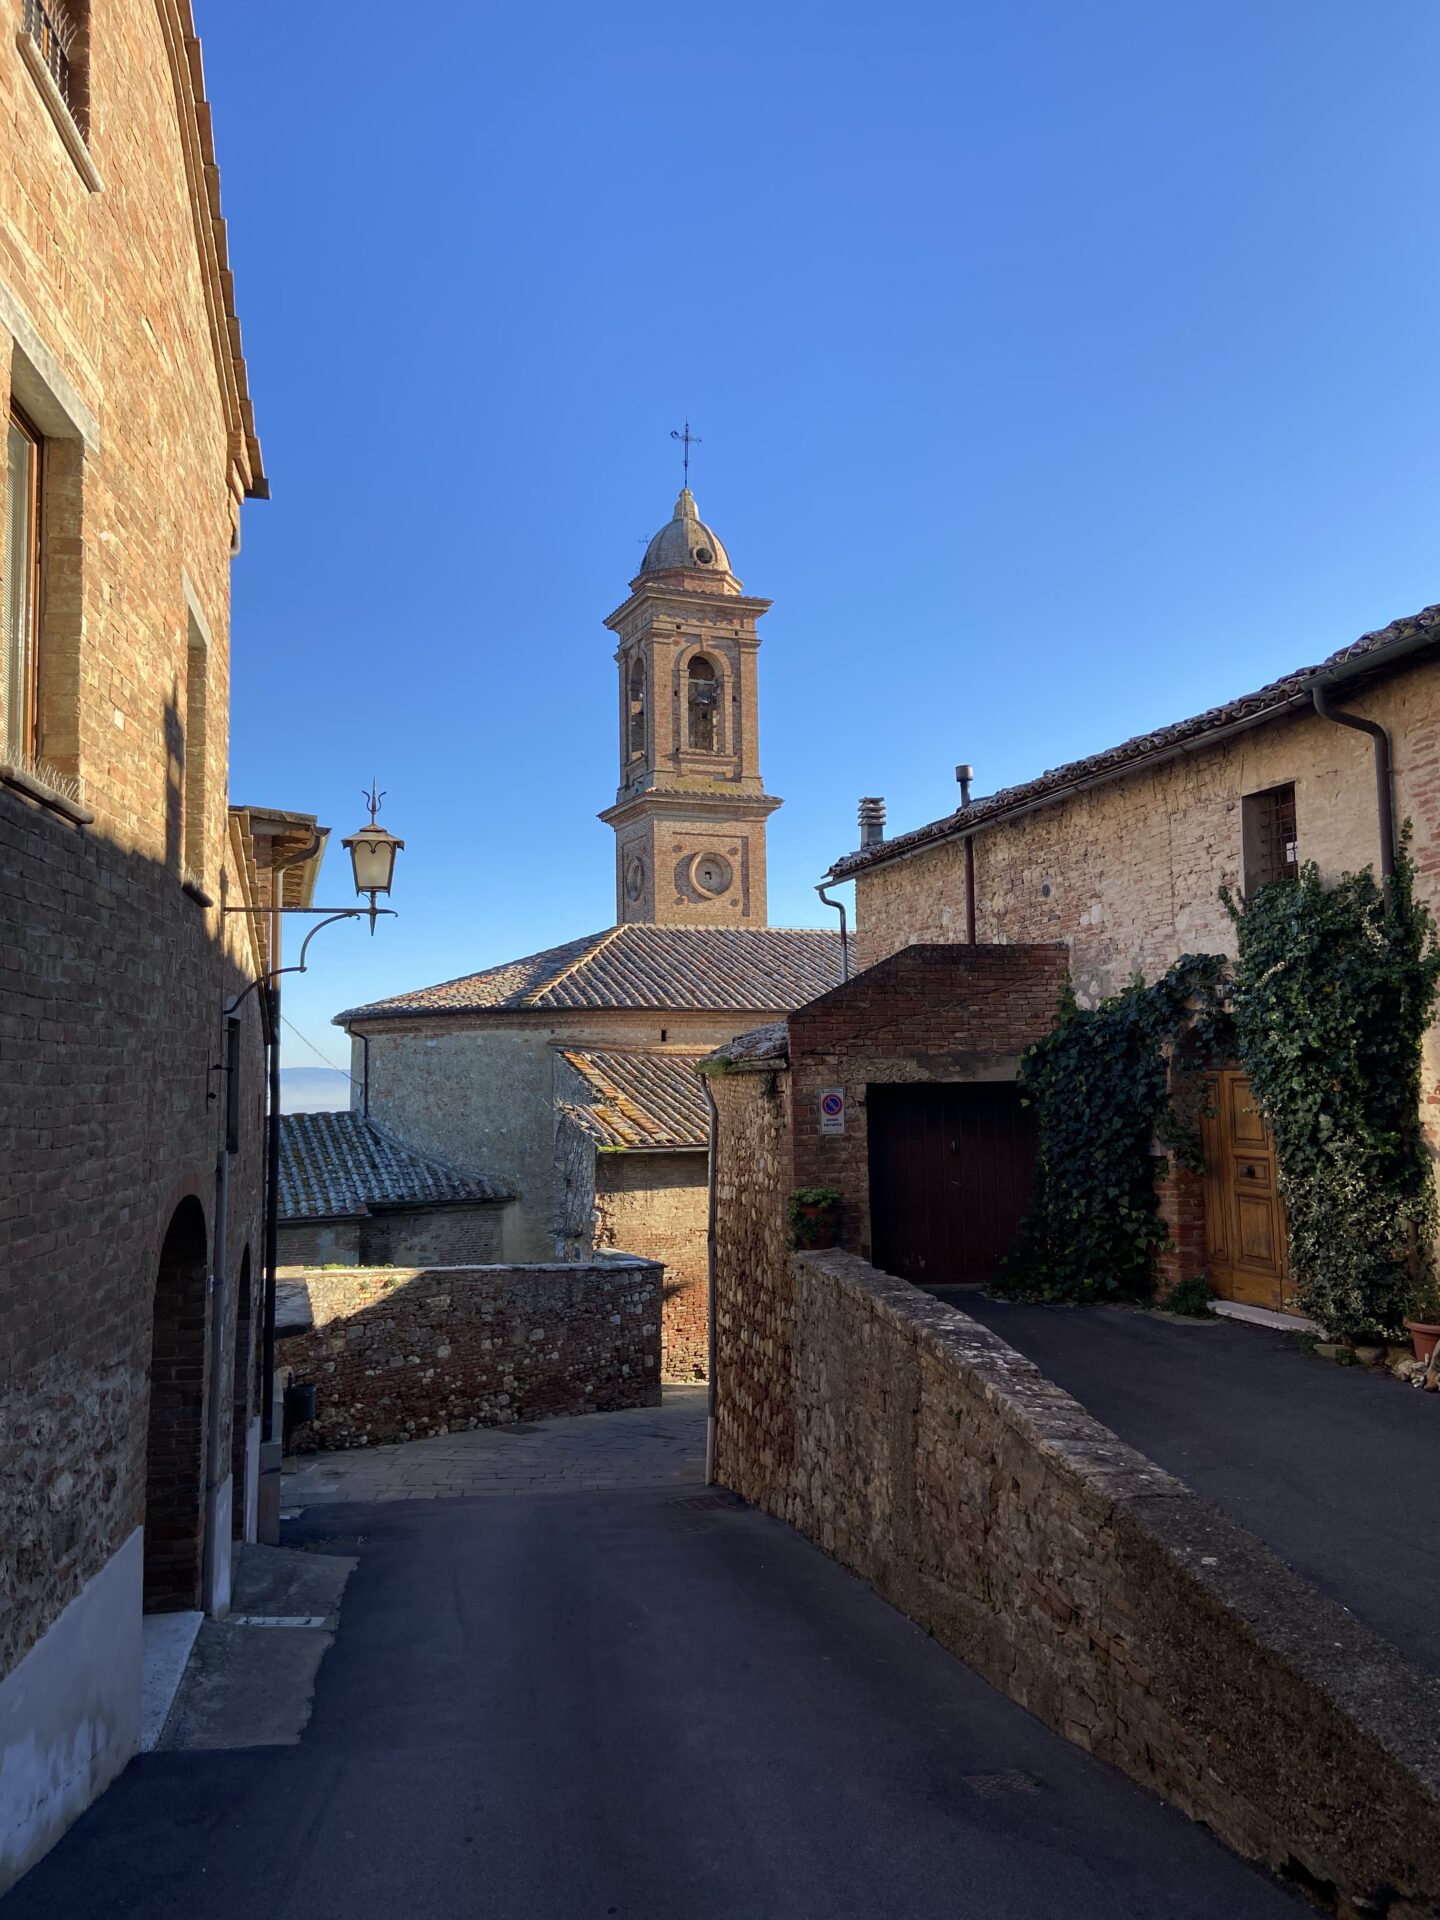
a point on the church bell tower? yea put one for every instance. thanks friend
(690, 813)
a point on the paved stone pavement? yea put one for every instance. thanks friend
(644, 1447)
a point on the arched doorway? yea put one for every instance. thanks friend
(240, 1400)
(175, 1445)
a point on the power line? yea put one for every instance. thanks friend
(314, 1049)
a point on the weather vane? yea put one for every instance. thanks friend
(687, 440)
(373, 799)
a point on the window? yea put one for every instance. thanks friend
(636, 735)
(197, 661)
(703, 697)
(58, 29)
(1271, 848)
(20, 565)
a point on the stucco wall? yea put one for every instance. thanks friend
(1072, 1573)
(397, 1355)
(656, 1205)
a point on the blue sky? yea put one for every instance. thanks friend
(1060, 370)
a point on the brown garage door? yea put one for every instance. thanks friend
(950, 1175)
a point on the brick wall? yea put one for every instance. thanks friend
(1101, 1594)
(399, 1237)
(398, 1355)
(656, 1205)
(112, 983)
(943, 1013)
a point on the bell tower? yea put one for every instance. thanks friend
(690, 813)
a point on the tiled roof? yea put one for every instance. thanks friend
(641, 1098)
(334, 1165)
(678, 968)
(1280, 696)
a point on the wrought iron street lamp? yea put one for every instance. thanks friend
(372, 855)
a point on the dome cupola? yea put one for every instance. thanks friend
(685, 541)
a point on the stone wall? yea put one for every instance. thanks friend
(936, 1013)
(398, 1355)
(399, 1237)
(1101, 1594)
(1128, 874)
(656, 1205)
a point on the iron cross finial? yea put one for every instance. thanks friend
(687, 440)
(373, 799)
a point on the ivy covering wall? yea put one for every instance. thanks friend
(1325, 1008)
(1100, 1084)
(1332, 994)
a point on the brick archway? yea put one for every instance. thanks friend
(175, 1442)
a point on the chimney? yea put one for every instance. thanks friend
(965, 774)
(872, 821)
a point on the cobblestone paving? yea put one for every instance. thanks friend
(645, 1447)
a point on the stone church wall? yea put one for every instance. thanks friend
(405, 1353)
(1077, 1577)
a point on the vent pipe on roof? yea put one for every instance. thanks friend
(872, 821)
(965, 774)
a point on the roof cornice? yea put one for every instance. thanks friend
(202, 177)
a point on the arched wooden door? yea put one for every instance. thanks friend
(1246, 1237)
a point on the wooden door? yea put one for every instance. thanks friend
(951, 1168)
(1246, 1239)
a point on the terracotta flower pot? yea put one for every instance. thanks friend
(1423, 1334)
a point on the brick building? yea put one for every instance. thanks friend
(1117, 861)
(129, 1235)
(567, 1077)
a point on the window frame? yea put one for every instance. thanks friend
(694, 704)
(1262, 842)
(27, 749)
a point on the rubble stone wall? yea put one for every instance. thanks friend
(401, 1353)
(1103, 1595)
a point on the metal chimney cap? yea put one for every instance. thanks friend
(964, 772)
(872, 820)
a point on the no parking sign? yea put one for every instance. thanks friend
(832, 1110)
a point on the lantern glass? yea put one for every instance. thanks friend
(372, 854)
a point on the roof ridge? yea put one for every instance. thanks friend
(596, 946)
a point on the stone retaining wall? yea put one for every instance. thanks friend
(399, 1353)
(1108, 1598)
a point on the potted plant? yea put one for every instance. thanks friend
(814, 1216)
(1424, 1327)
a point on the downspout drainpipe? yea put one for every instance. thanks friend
(1384, 782)
(215, 1577)
(710, 1396)
(272, 1211)
(969, 889)
(839, 906)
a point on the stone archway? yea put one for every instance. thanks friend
(175, 1442)
(240, 1399)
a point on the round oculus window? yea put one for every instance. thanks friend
(712, 873)
(634, 879)
(704, 556)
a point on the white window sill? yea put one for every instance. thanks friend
(34, 789)
(64, 120)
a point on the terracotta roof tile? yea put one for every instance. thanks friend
(680, 968)
(338, 1165)
(640, 1098)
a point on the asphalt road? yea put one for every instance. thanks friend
(1335, 1467)
(635, 1703)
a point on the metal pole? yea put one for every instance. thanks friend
(272, 1211)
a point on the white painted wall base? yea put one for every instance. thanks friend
(218, 1556)
(70, 1712)
(252, 1481)
(168, 1638)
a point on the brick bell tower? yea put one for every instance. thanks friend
(690, 813)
